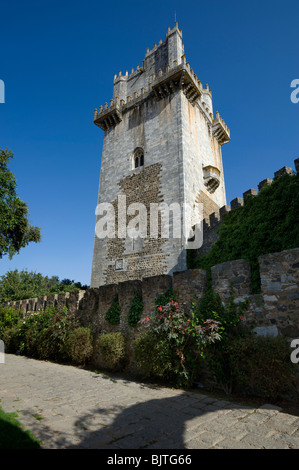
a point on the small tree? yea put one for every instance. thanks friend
(15, 230)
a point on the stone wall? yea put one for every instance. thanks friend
(274, 311)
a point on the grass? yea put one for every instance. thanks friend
(13, 436)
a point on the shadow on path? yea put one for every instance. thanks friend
(157, 423)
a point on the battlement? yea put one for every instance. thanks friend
(212, 223)
(164, 70)
(162, 85)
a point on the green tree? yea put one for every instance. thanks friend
(20, 285)
(15, 230)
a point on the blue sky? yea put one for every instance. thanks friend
(58, 60)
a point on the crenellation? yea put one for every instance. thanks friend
(249, 192)
(265, 182)
(237, 202)
(224, 211)
(283, 171)
(210, 226)
(214, 219)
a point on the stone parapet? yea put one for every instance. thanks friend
(274, 311)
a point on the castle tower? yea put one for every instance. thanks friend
(162, 145)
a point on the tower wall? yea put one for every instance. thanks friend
(162, 109)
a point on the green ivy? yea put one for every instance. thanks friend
(166, 297)
(267, 223)
(113, 313)
(135, 311)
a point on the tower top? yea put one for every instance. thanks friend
(164, 69)
(163, 54)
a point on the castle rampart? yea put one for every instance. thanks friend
(212, 222)
(274, 311)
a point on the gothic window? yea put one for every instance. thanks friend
(138, 158)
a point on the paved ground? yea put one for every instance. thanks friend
(68, 407)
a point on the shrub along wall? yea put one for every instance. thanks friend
(110, 313)
(274, 311)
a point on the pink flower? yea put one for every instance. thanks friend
(160, 308)
(147, 318)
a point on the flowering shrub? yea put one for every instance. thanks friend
(169, 348)
(42, 335)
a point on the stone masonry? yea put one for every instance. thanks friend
(272, 312)
(162, 144)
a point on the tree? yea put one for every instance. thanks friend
(15, 230)
(20, 285)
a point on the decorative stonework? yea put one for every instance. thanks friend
(211, 176)
(149, 259)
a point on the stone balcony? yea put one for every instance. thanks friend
(211, 176)
(220, 130)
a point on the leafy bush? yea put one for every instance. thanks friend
(271, 219)
(46, 333)
(112, 348)
(154, 356)
(166, 297)
(42, 335)
(79, 345)
(261, 366)
(135, 311)
(12, 339)
(169, 349)
(8, 318)
(229, 317)
(113, 313)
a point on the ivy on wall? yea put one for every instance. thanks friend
(113, 313)
(135, 311)
(267, 223)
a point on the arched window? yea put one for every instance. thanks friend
(138, 158)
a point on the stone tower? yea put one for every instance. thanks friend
(162, 144)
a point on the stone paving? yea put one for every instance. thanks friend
(72, 408)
